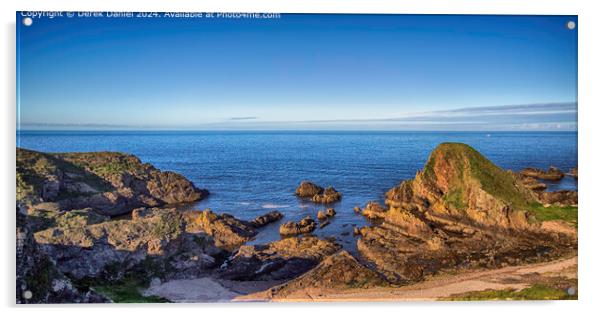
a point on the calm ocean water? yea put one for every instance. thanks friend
(250, 173)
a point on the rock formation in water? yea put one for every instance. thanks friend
(460, 211)
(304, 226)
(266, 219)
(553, 173)
(317, 193)
(107, 182)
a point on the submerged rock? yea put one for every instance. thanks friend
(305, 226)
(109, 183)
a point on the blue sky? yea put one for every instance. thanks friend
(373, 72)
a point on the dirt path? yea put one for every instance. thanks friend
(517, 277)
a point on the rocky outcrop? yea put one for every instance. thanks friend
(325, 215)
(460, 211)
(337, 272)
(531, 183)
(304, 226)
(227, 231)
(552, 174)
(559, 198)
(279, 260)
(373, 210)
(308, 189)
(330, 195)
(38, 279)
(266, 219)
(155, 241)
(107, 182)
(317, 193)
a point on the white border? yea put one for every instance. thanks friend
(589, 27)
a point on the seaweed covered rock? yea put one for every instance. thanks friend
(110, 183)
(279, 260)
(304, 226)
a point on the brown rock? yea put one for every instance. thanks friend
(560, 198)
(308, 189)
(337, 272)
(322, 215)
(279, 260)
(553, 173)
(305, 226)
(227, 231)
(267, 218)
(330, 195)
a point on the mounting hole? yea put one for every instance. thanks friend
(571, 25)
(27, 21)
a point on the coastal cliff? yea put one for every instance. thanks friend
(110, 183)
(460, 213)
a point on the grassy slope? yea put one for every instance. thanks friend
(535, 292)
(468, 162)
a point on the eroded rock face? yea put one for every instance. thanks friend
(153, 238)
(38, 279)
(279, 260)
(304, 226)
(227, 231)
(339, 271)
(559, 198)
(552, 174)
(461, 211)
(109, 183)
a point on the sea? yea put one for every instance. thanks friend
(249, 173)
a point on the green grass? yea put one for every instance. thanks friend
(568, 214)
(127, 291)
(535, 292)
(466, 163)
